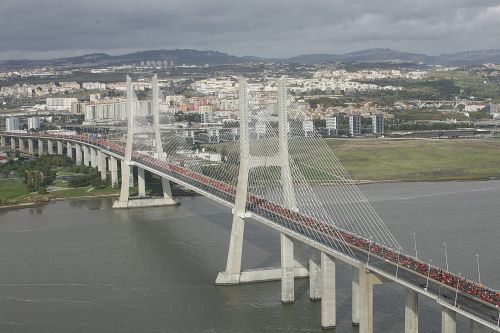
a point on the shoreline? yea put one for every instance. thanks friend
(190, 193)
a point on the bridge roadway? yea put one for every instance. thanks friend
(466, 304)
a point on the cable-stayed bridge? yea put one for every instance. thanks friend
(282, 174)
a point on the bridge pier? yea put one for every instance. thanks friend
(448, 320)
(328, 292)
(60, 148)
(355, 296)
(50, 147)
(86, 155)
(93, 157)
(30, 147)
(473, 326)
(314, 275)
(411, 311)
(141, 182)
(78, 154)
(366, 282)
(101, 164)
(287, 269)
(69, 150)
(21, 145)
(2, 141)
(40, 147)
(131, 174)
(113, 169)
(12, 143)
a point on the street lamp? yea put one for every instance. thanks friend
(456, 292)
(415, 243)
(446, 256)
(428, 275)
(478, 271)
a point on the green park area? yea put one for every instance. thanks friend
(48, 177)
(418, 160)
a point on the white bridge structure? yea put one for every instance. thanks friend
(290, 182)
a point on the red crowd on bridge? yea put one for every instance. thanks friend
(441, 276)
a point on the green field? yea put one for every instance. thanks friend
(414, 160)
(11, 188)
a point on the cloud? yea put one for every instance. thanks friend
(269, 28)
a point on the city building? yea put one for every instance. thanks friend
(378, 124)
(34, 123)
(60, 103)
(12, 124)
(331, 125)
(354, 125)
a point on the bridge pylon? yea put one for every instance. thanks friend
(290, 268)
(125, 201)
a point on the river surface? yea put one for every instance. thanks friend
(80, 266)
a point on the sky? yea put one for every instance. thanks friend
(39, 29)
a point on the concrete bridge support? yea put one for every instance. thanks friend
(113, 169)
(130, 174)
(366, 282)
(3, 141)
(411, 311)
(21, 145)
(287, 270)
(60, 149)
(93, 157)
(30, 147)
(86, 155)
(355, 296)
(314, 275)
(448, 321)
(69, 150)
(50, 147)
(40, 147)
(141, 182)
(473, 326)
(328, 292)
(101, 164)
(12, 143)
(78, 154)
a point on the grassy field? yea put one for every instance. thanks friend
(414, 160)
(11, 188)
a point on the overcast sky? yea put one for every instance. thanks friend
(266, 28)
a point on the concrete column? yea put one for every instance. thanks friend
(86, 155)
(131, 174)
(50, 147)
(30, 146)
(411, 311)
(21, 145)
(113, 168)
(69, 150)
(366, 282)
(141, 182)
(314, 276)
(101, 164)
(2, 141)
(355, 296)
(59, 147)
(93, 157)
(13, 143)
(448, 321)
(40, 147)
(287, 270)
(78, 154)
(328, 292)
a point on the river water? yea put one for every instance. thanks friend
(80, 266)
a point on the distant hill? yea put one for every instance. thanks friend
(195, 57)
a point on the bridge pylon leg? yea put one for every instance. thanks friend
(411, 311)
(328, 289)
(448, 321)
